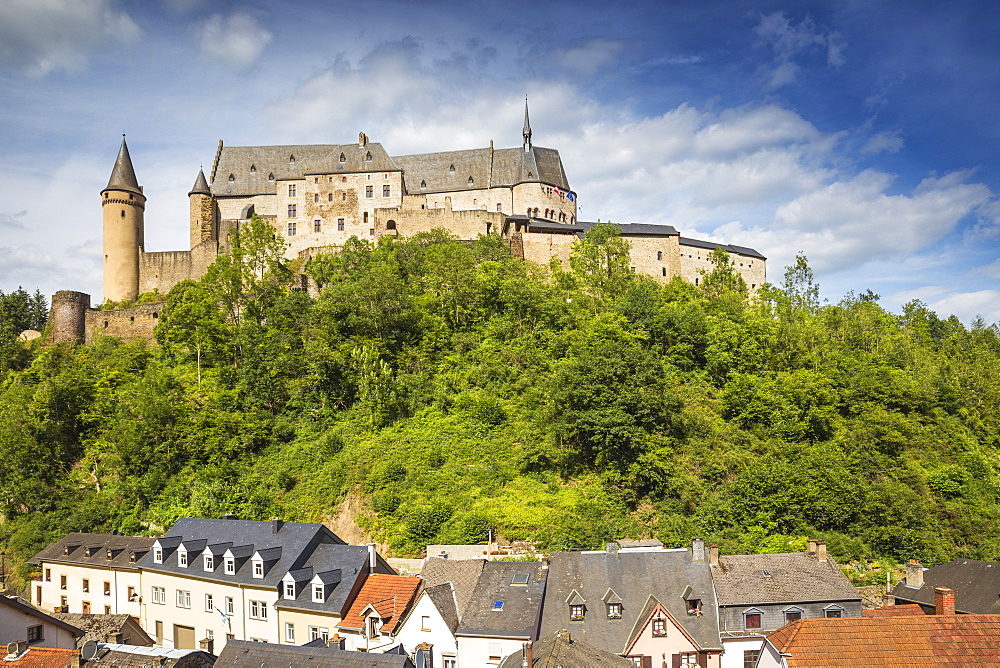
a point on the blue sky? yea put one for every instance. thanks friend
(862, 134)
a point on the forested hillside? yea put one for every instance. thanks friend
(453, 389)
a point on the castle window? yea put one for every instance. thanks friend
(105, 324)
(291, 211)
(291, 190)
(470, 181)
(131, 196)
(315, 197)
(291, 228)
(696, 281)
(343, 158)
(385, 191)
(329, 179)
(659, 255)
(340, 224)
(291, 160)
(343, 197)
(232, 179)
(317, 226)
(369, 191)
(123, 213)
(253, 169)
(498, 206)
(371, 231)
(366, 217)
(316, 180)
(390, 225)
(343, 179)
(368, 155)
(664, 271)
(329, 198)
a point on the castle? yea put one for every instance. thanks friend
(318, 196)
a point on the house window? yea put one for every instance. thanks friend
(182, 559)
(369, 191)
(230, 565)
(258, 569)
(614, 610)
(371, 231)
(659, 255)
(289, 632)
(35, 633)
(664, 271)
(85, 607)
(258, 610)
(292, 227)
(209, 603)
(48, 575)
(659, 628)
(157, 555)
(693, 606)
(751, 620)
(317, 633)
(318, 593)
(793, 615)
(425, 623)
(210, 634)
(38, 595)
(86, 585)
(372, 626)
(470, 182)
(107, 588)
(449, 661)
(340, 224)
(64, 602)
(159, 595)
(209, 562)
(315, 198)
(290, 590)
(131, 595)
(131, 555)
(343, 197)
(576, 613)
(291, 190)
(229, 605)
(750, 657)
(292, 211)
(317, 226)
(62, 581)
(343, 158)
(329, 197)
(834, 612)
(183, 599)
(689, 659)
(496, 651)
(385, 191)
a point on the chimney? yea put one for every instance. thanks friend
(820, 550)
(228, 516)
(812, 545)
(914, 574)
(16, 649)
(207, 645)
(944, 601)
(527, 660)
(372, 557)
(276, 524)
(611, 547)
(713, 554)
(697, 549)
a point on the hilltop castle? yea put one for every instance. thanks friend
(318, 196)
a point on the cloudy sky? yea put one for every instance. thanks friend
(864, 134)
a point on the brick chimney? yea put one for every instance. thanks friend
(713, 554)
(914, 574)
(944, 601)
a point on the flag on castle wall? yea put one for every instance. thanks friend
(571, 196)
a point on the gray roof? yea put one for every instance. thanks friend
(976, 585)
(26, 608)
(561, 650)
(463, 575)
(487, 167)
(76, 545)
(712, 245)
(443, 597)
(123, 176)
(99, 628)
(252, 166)
(639, 229)
(634, 576)
(137, 656)
(796, 577)
(247, 654)
(521, 608)
(200, 184)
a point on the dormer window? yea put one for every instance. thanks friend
(614, 610)
(470, 181)
(291, 160)
(232, 178)
(793, 615)
(253, 169)
(270, 177)
(258, 569)
(752, 619)
(290, 591)
(368, 156)
(834, 611)
(157, 555)
(182, 558)
(318, 594)
(576, 613)
(451, 170)
(693, 606)
(423, 185)
(209, 562)
(65, 550)
(230, 564)
(131, 557)
(343, 158)
(88, 551)
(108, 554)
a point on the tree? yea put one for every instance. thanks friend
(723, 278)
(800, 288)
(600, 261)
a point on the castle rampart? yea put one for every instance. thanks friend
(129, 323)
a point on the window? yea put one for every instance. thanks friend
(317, 226)
(470, 182)
(689, 659)
(289, 632)
(209, 562)
(292, 227)
(253, 169)
(449, 661)
(291, 190)
(64, 602)
(451, 169)
(209, 603)
(35, 633)
(157, 555)
(131, 595)
(107, 588)
(38, 595)
(834, 612)
(498, 206)
(423, 184)
(182, 559)
(318, 633)
(751, 620)
(369, 191)
(659, 255)
(48, 575)
(693, 606)
(496, 651)
(318, 593)
(232, 178)
(159, 595)
(343, 158)
(750, 657)
(230, 565)
(258, 610)
(340, 224)
(793, 615)
(614, 610)
(258, 569)
(343, 197)
(315, 197)
(107, 610)
(85, 607)
(316, 179)
(343, 179)
(576, 613)
(368, 156)
(425, 623)
(183, 599)
(371, 231)
(659, 628)
(86, 585)
(159, 632)
(291, 160)
(62, 581)
(292, 211)
(520, 579)
(290, 590)
(329, 197)
(385, 191)
(229, 605)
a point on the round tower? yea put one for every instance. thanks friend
(124, 205)
(68, 316)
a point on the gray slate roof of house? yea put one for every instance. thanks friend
(519, 615)
(712, 245)
(443, 597)
(791, 578)
(137, 656)
(509, 166)
(561, 650)
(96, 627)
(248, 654)
(78, 543)
(634, 577)
(976, 585)
(26, 608)
(123, 175)
(463, 575)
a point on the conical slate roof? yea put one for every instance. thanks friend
(200, 186)
(123, 176)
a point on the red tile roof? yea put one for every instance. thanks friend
(45, 657)
(905, 610)
(927, 640)
(390, 595)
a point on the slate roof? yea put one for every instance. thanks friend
(98, 627)
(350, 560)
(247, 654)
(463, 575)
(77, 543)
(28, 609)
(928, 640)
(200, 185)
(137, 656)
(976, 585)
(638, 229)
(122, 175)
(390, 595)
(251, 166)
(519, 615)
(634, 577)
(561, 650)
(791, 578)
(505, 167)
(44, 657)
(443, 597)
(712, 245)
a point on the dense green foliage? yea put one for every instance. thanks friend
(447, 389)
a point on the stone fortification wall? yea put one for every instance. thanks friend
(541, 248)
(128, 324)
(466, 224)
(658, 257)
(68, 316)
(694, 260)
(163, 270)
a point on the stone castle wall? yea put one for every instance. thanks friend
(128, 324)
(164, 269)
(68, 316)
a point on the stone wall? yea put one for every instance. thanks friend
(128, 324)
(694, 260)
(658, 257)
(67, 316)
(407, 221)
(165, 269)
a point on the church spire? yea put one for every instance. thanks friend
(527, 126)
(123, 176)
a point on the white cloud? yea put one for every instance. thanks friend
(236, 40)
(790, 41)
(883, 142)
(968, 305)
(991, 270)
(581, 57)
(39, 36)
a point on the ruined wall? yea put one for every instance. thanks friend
(128, 324)
(165, 269)
(67, 317)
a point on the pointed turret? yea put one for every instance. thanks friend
(527, 126)
(123, 176)
(200, 185)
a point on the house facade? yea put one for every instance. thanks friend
(20, 622)
(431, 624)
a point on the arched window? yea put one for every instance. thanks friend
(390, 224)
